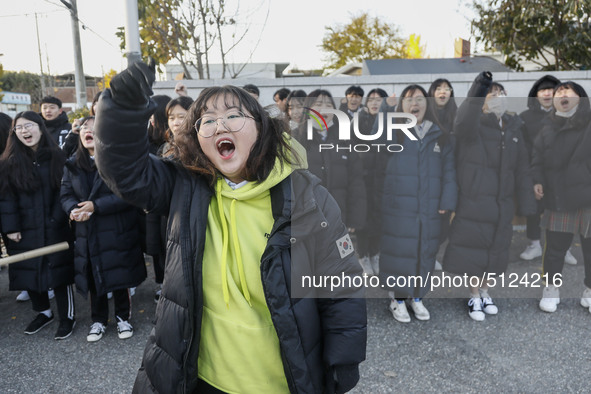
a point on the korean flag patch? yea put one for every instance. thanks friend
(345, 246)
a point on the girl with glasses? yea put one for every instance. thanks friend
(244, 219)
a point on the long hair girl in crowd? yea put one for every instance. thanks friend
(340, 172)
(108, 255)
(445, 107)
(562, 175)
(226, 320)
(492, 170)
(418, 187)
(368, 237)
(294, 112)
(156, 224)
(32, 167)
(176, 112)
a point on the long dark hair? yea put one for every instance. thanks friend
(271, 143)
(447, 114)
(157, 132)
(82, 158)
(183, 101)
(5, 126)
(18, 161)
(429, 113)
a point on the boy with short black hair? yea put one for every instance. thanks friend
(55, 119)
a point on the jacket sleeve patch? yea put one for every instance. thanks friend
(345, 246)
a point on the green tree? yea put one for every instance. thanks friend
(553, 34)
(362, 38)
(22, 82)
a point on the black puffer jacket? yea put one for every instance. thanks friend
(315, 335)
(109, 242)
(534, 117)
(341, 172)
(562, 160)
(59, 128)
(39, 217)
(492, 168)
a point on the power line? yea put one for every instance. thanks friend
(31, 14)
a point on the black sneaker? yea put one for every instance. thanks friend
(65, 329)
(40, 321)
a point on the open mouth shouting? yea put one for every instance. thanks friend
(27, 138)
(226, 147)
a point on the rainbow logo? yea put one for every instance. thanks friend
(316, 118)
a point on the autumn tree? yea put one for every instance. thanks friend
(187, 31)
(106, 82)
(413, 49)
(362, 38)
(553, 34)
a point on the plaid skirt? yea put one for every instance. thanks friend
(575, 222)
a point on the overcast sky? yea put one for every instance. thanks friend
(286, 31)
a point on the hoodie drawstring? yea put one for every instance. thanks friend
(225, 246)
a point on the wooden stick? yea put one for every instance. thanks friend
(30, 254)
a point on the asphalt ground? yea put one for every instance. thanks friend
(522, 349)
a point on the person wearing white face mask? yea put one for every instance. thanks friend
(492, 168)
(562, 174)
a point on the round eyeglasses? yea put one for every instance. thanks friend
(233, 121)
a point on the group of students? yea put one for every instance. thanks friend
(481, 161)
(238, 200)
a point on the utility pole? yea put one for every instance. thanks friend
(40, 58)
(79, 78)
(132, 33)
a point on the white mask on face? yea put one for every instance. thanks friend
(498, 105)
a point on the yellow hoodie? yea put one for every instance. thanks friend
(239, 349)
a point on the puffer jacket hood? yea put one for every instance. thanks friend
(547, 81)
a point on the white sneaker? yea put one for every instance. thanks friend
(438, 266)
(586, 299)
(569, 258)
(366, 265)
(375, 264)
(532, 251)
(488, 306)
(51, 294)
(475, 312)
(96, 332)
(399, 311)
(23, 296)
(421, 313)
(124, 329)
(550, 299)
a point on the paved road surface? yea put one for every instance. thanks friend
(520, 350)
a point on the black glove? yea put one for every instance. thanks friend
(346, 377)
(132, 87)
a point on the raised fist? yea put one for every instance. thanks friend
(132, 87)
